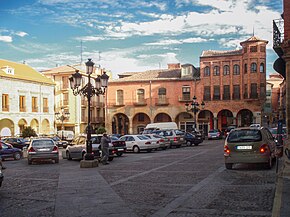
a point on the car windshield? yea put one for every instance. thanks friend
(141, 137)
(114, 138)
(42, 143)
(245, 135)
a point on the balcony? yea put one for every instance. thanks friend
(278, 36)
(140, 102)
(162, 101)
(236, 96)
(226, 97)
(34, 109)
(184, 98)
(5, 108)
(45, 109)
(22, 109)
(254, 96)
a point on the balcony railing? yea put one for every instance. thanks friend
(45, 109)
(34, 109)
(161, 101)
(236, 96)
(22, 109)
(278, 35)
(254, 95)
(226, 97)
(140, 102)
(184, 98)
(5, 108)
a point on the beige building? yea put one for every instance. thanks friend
(77, 106)
(27, 99)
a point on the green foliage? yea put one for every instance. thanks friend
(101, 130)
(28, 132)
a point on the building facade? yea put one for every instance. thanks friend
(232, 85)
(76, 106)
(27, 100)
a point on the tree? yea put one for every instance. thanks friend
(101, 130)
(28, 132)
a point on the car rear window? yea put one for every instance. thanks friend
(42, 143)
(141, 137)
(245, 135)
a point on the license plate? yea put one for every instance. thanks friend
(181, 139)
(120, 149)
(244, 147)
(43, 149)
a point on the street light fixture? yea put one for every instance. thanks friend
(194, 107)
(62, 116)
(89, 90)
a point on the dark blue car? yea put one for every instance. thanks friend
(8, 151)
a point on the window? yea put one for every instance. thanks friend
(236, 94)
(162, 95)
(34, 104)
(245, 91)
(262, 67)
(253, 49)
(5, 102)
(245, 68)
(216, 70)
(206, 71)
(226, 92)
(64, 82)
(216, 93)
(226, 70)
(262, 90)
(140, 95)
(236, 69)
(22, 104)
(186, 93)
(65, 98)
(263, 49)
(253, 67)
(45, 105)
(120, 97)
(254, 93)
(206, 95)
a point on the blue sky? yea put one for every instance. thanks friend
(130, 35)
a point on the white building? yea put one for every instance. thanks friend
(27, 99)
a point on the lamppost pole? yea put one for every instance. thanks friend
(62, 117)
(194, 107)
(88, 90)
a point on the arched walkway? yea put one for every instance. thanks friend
(244, 118)
(162, 117)
(120, 124)
(6, 127)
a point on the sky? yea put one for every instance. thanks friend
(130, 35)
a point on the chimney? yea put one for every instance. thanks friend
(173, 66)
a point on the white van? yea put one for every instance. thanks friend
(160, 126)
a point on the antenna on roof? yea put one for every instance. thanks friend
(253, 30)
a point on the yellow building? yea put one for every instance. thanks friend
(27, 99)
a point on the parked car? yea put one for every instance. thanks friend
(193, 138)
(274, 132)
(8, 151)
(42, 149)
(77, 148)
(137, 143)
(214, 134)
(176, 137)
(1, 176)
(17, 142)
(163, 142)
(59, 142)
(118, 146)
(249, 145)
(228, 129)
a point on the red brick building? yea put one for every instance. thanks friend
(232, 85)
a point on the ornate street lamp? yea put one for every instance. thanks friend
(194, 107)
(62, 116)
(95, 86)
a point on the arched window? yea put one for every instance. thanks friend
(253, 67)
(262, 67)
(236, 69)
(206, 71)
(120, 97)
(216, 70)
(226, 70)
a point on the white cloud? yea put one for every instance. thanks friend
(6, 38)
(182, 41)
(21, 34)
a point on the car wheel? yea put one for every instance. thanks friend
(188, 143)
(196, 144)
(229, 166)
(110, 158)
(17, 156)
(136, 149)
(68, 156)
(29, 162)
(119, 154)
(56, 161)
(164, 148)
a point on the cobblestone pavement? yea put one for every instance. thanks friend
(188, 181)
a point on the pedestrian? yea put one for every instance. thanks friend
(1, 165)
(105, 140)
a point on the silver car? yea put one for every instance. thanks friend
(42, 149)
